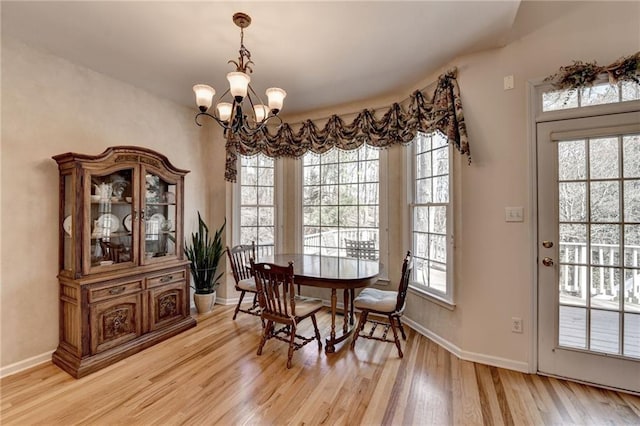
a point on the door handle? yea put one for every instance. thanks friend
(547, 261)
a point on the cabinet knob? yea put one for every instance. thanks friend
(117, 290)
(166, 279)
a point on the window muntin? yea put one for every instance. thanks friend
(340, 201)
(598, 94)
(257, 201)
(431, 214)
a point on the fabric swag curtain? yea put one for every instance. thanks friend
(397, 126)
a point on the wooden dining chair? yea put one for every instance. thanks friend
(279, 304)
(383, 302)
(240, 258)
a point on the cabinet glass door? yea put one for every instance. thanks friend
(160, 214)
(111, 218)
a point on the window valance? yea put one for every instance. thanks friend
(398, 125)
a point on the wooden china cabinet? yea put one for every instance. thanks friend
(124, 281)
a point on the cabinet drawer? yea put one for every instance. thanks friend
(114, 290)
(166, 278)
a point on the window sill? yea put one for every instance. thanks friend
(447, 304)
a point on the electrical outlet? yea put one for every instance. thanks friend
(516, 325)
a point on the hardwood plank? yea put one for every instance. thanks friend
(466, 408)
(491, 414)
(212, 375)
(519, 400)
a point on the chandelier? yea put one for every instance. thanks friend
(232, 116)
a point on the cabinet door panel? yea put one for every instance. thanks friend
(115, 322)
(110, 235)
(160, 230)
(167, 304)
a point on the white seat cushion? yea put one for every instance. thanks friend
(248, 284)
(376, 300)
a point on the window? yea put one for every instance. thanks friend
(340, 191)
(257, 202)
(603, 93)
(431, 224)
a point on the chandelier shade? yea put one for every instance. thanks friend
(204, 96)
(245, 112)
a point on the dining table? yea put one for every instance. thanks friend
(335, 273)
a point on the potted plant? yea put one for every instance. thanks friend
(205, 254)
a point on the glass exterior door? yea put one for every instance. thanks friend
(159, 214)
(589, 249)
(111, 218)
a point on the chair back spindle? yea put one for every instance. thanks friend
(407, 266)
(240, 258)
(276, 290)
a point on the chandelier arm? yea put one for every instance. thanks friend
(224, 124)
(248, 131)
(250, 91)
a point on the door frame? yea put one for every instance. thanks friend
(535, 115)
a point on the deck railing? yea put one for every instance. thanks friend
(607, 272)
(334, 242)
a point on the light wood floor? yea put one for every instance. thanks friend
(211, 375)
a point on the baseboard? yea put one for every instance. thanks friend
(223, 301)
(495, 361)
(25, 364)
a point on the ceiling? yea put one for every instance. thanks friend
(321, 53)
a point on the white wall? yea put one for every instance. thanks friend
(51, 106)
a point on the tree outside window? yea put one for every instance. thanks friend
(340, 196)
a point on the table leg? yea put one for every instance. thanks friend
(351, 316)
(329, 346)
(345, 325)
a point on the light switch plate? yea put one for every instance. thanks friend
(508, 82)
(514, 214)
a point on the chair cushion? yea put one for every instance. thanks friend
(376, 300)
(248, 284)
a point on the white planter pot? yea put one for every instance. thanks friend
(204, 302)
